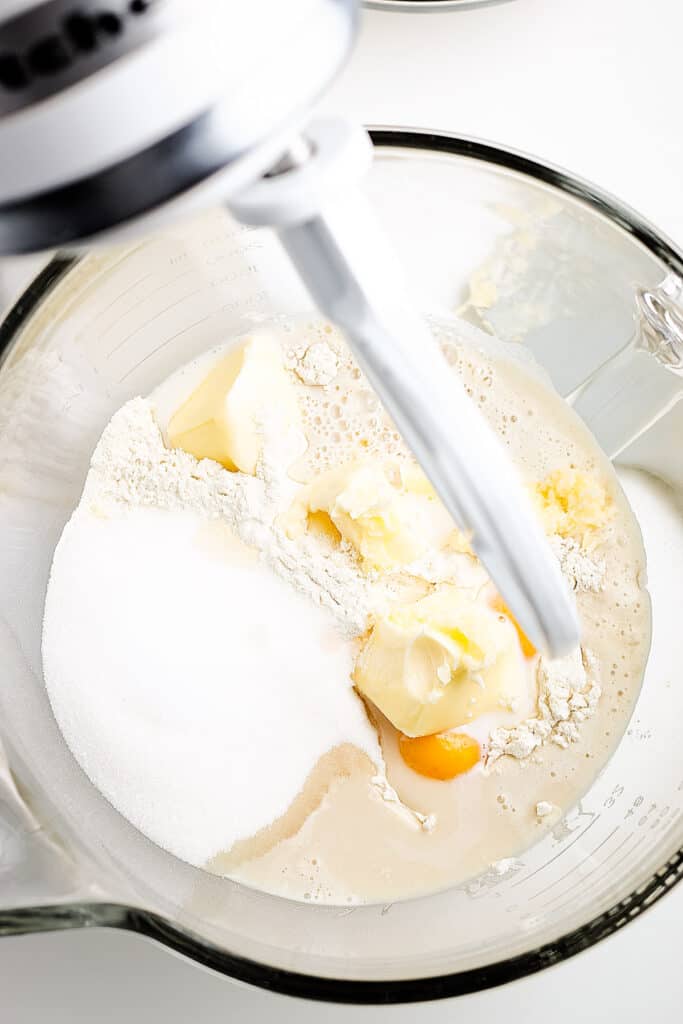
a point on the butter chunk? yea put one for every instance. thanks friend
(572, 504)
(386, 511)
(223, 418)
(440, 662)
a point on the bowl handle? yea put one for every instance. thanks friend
(39, 881)
(633, 390)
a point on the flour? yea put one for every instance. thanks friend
(387, 793)
(568, 694)
(131, 467)
(445, 566)
(316, 365)
(584, 571)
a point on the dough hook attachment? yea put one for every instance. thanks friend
(351, 274)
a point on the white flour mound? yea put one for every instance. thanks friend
(316, 365)
(158, 655)
(583, 570)
(568, 694)
(132, 467)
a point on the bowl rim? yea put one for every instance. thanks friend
(428, 6)
(340, 990)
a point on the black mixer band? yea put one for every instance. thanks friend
(58, 44)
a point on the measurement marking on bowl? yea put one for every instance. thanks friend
(168, 341)
(577, 866)
(174, 337)
(147, 295)
(122, 295)
(559, 854)
(598, 880)
(145, 325)
(139, 302)
(601, 875)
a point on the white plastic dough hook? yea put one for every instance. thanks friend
(345, 263)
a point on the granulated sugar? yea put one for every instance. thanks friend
(161, 632)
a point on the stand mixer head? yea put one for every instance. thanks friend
(109, 115)
(219, 103)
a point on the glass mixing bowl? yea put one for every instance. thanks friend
(514, 246)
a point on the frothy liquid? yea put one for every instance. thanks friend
(341, 841)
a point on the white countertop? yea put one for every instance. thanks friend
(592, 85)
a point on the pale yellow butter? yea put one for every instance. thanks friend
(223, 418)
(440, 662)
(387, 512)
(572, 503)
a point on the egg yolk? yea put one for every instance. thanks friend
(440, 756)
(528, 649)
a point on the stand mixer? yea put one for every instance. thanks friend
(67, 859)
(219, 112)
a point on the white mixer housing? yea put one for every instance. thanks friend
(109, 111)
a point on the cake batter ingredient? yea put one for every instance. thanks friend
(528, 649)
(441, 661)
(573, 504)
(388, 513)
(164, 686)
(132, 467)
(316, 365)
(442, 756)
(568, 694)
(222, 419)
(583, 569)
(161, 632)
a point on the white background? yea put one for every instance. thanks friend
(593, 85)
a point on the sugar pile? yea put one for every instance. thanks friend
(161, 631)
